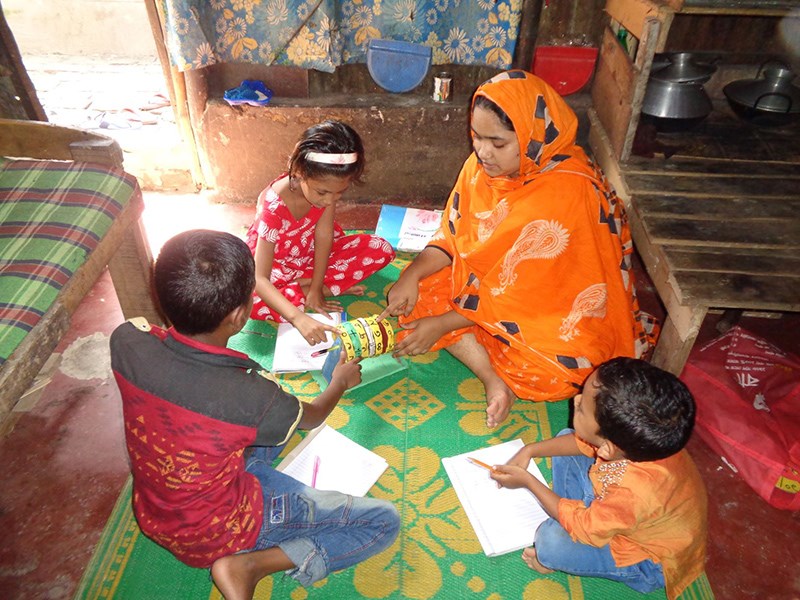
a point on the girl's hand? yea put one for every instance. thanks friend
(316, 301)
(425, 332)
(312, 330)
(349, 373)
(510, 476)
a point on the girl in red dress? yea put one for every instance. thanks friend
(303, 257)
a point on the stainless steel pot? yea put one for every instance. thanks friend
(675, 98)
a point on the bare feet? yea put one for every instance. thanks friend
(237, 575)
(356, 290)
(499, 399)
(529, 556)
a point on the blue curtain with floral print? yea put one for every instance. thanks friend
(323, 34)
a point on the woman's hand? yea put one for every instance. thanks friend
(511, 476)
(316, 301)
(425, 332)
(402, 298)
(312, 330)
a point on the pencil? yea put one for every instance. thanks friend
(480, 463)
(315, 471)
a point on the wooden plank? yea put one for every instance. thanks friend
(20, 369)
(739, 290)
(33, 139)
(703, 186)
(750, 261)
(683, 319)
(719, 208)
(612, 90)
(762, 8)
(131, 270)
(674, 345)
(690, 166)
(738, 234)
(642, 65)
(632, 14)
(723, 136)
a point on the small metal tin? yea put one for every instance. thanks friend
(442, 87)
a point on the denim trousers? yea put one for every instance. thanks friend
(556, 550)
(320, 531)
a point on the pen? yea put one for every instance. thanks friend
(480, 463)
(314, 472)
(325, 350)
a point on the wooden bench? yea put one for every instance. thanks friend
(717, 224)
(44, 252)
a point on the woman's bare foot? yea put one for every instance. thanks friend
(237, 575)
(529, 556)
(499, 399)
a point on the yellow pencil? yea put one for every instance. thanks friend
(479, 463)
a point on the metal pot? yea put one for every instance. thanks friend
(771, 101)
(676, 106)
(675, 99)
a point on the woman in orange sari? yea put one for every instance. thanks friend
(529, 281)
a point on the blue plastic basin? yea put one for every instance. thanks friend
(397, 66)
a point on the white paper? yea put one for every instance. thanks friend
(292, 352)
(504, 520)
(344, 465)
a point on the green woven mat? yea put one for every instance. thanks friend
(433, 409)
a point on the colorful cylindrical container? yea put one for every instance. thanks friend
(366, 336)
(443, 87)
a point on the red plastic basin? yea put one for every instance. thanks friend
(566, 68)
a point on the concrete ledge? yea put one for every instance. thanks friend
(414, 146)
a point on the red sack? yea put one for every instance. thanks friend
(748, 410)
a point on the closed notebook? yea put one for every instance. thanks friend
(504, 520)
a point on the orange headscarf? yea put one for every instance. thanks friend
(541, 261)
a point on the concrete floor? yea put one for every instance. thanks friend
(65, 462)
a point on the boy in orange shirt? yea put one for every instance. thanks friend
(627, 502)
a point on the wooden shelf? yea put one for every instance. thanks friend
(755, 8)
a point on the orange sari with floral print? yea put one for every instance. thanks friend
(541, 262)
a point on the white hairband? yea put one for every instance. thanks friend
(333, 159)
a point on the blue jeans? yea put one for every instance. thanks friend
(556, 550)
(319, 531)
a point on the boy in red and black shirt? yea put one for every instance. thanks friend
(192, 407)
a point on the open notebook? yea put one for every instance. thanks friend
(292, 352)
(504, 520)
(342, 464)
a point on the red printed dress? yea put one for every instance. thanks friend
(353, 257)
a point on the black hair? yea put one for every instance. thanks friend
(200, 277)
(648, 413)
(328, 137)
(484, 102)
